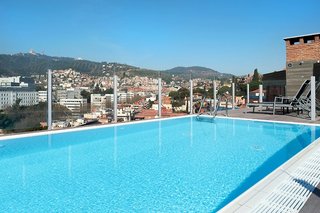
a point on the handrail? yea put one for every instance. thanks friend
(201, 105)
(213, 113)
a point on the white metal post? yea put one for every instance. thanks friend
(115, 98)
(260, 93)
(233, 95)
(214, 94)
(159, 97)
(248, 93)
(49, 98)
(191, 97)
(313, 98)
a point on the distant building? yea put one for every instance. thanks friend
(101, 102)
(125, 113)
(109, 100)
(10, 81)
(254, 95)
(60, 94)
(17, 82)
(42, 96)
(10, 97)
(74, 105)
(70, 93)
(73, 93)
(124, 97)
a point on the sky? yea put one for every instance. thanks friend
(228, 36)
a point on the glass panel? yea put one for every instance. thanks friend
(69, 99)
(144, 92)
(102, 95)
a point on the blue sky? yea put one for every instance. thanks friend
(228, 36)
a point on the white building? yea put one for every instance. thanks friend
(42, 96)
(101, 102)
(14, 81)
(60, 94)
(9, 97)
(70, 93)
(74, 105)
(125, 113)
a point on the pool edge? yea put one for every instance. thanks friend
(246, 201)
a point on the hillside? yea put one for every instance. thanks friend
(197, 72)
(28, 64)
(32, 63)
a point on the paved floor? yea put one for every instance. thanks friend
(267, 115)
(313, 203)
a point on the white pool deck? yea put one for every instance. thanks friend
(261, 194)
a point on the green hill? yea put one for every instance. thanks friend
(26, 64)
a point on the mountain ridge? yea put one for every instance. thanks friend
(35, 63)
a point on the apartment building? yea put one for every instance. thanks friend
(43, 95)
(10, 97)
(74, 105)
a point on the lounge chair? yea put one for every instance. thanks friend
(304, 102)
(260, 105)
(288, 102)
(283, 102)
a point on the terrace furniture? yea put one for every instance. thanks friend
(288, 102)
(304, 102)
(284, 102)
(260, 105)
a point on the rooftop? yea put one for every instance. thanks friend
(301, 36)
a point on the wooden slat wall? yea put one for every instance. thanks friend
(297, 74)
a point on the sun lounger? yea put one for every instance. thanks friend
(260, 105)
(290, 102)
(283, 102)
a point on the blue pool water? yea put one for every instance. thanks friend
(170, 165)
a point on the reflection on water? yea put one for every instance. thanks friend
(115, 147)
(69, 161)
(159, 138)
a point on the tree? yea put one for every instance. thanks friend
(256, 76)
(108, 91)
(27, 118)
(223, 90)
(254, 84)
(96, 89)
(87, 95)
(200, 91)
(149, 105)
(234, 79)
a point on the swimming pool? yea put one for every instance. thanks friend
(164, 165)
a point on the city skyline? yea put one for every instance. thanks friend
(230, 37)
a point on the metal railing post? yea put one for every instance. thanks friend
(159, 97)
(115, 98)
(248, 93)
(233, 95)
(214, 94)
(313, 98)
(260, 93)
(49, 99)
(191, 97)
